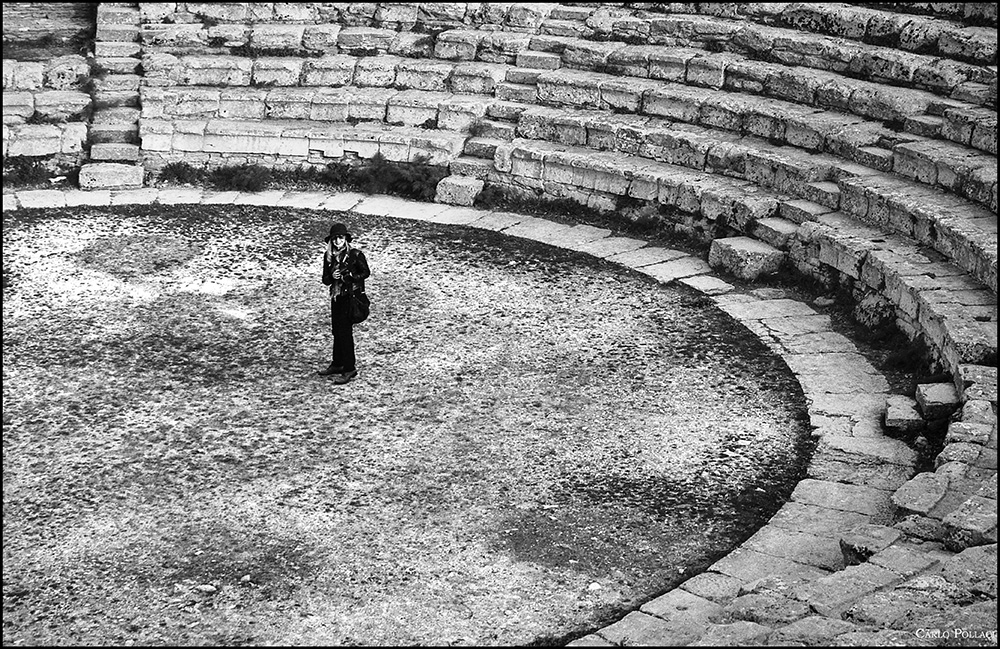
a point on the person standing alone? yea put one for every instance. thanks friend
(344, 270)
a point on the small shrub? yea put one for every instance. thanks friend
(182, 173)
(24, 171)
(241, 178)
(430, 123)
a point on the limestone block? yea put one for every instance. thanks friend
(681, 609)
(765, 608)
(35, 140)
(974, 523)
(458, 45)
(902, 416)
(365, 39)
(640, 629)
(289, 103)
(242, 103)
(330, 105)
(376, 71)
(971, 433)
(834, 594)
(295, 12)
(744, 257)
(528, 15)
(154, 12)
(229, 35)
(922, 493)
(17, 106)
(938, 400)
(461, 113)
(589, 55)
(538, 60)
(395, 16)
(74, 135)
(502, 47)
(670, 64)
(862, 541)
(175, 37)
(110, 175)
(414, 108)
(570, 87)
(412, 45)
(277, 71)
(212, 70)
(423, 75)
(23, 75)
(331, 71)
(66, 72)
(371, 105)
(458, 190)
(222, 12)
(476, 78)
(322, 38)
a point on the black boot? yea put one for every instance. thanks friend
(331, 369)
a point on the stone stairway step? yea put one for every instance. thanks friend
(117, 15)
(113, 49)
(111, 175)
(117, 82)
(471, 166)
(519, 92)
(525, 76)
(775, 231)
(120, 64)
(114, 133)
(114, 152)
(482, 147)
(116, 98)
(118, 115)
(117, 33)
(495, 129)
(563, 12)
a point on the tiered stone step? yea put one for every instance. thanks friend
(114, 150)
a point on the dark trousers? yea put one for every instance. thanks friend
(343, 334)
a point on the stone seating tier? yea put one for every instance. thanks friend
(931, 216)
(918, 111)
(968, 173)
(927, 35)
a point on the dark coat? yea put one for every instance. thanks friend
(353, 272)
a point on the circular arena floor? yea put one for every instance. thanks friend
(537, 441)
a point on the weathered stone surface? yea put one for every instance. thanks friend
(904, 560)
(814, 630)
(834, 594)
(640, 629)
(458, 190)
(902, 416)
(847, 449)
(973, 523)
(852, 498)
(969, 433)
(974, 569)
(938, 400)
(749, 565)
(921, 493)
(670, 271)
(110, 175)
(713, 586)
(744, 257)
(801, 547)
(837, 373)
(737, 634)
(862, 541)
(766, 608)
(760, 309)
(874, 474)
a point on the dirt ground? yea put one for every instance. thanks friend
(538, 441)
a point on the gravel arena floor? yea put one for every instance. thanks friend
(538, 440)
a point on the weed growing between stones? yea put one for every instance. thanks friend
(27, 172)
(417, 179)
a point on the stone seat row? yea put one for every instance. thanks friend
(933, 218)
(955, 312)
(761, 43)
(975, 13)
(588, 89)
(917, 111)
(804, 174)
(928, 36)
(968, 173)
(48, 106)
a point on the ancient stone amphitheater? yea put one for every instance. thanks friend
(853, 144)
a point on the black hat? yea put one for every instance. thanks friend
(338, 229)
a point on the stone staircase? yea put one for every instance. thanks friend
(114, 128)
